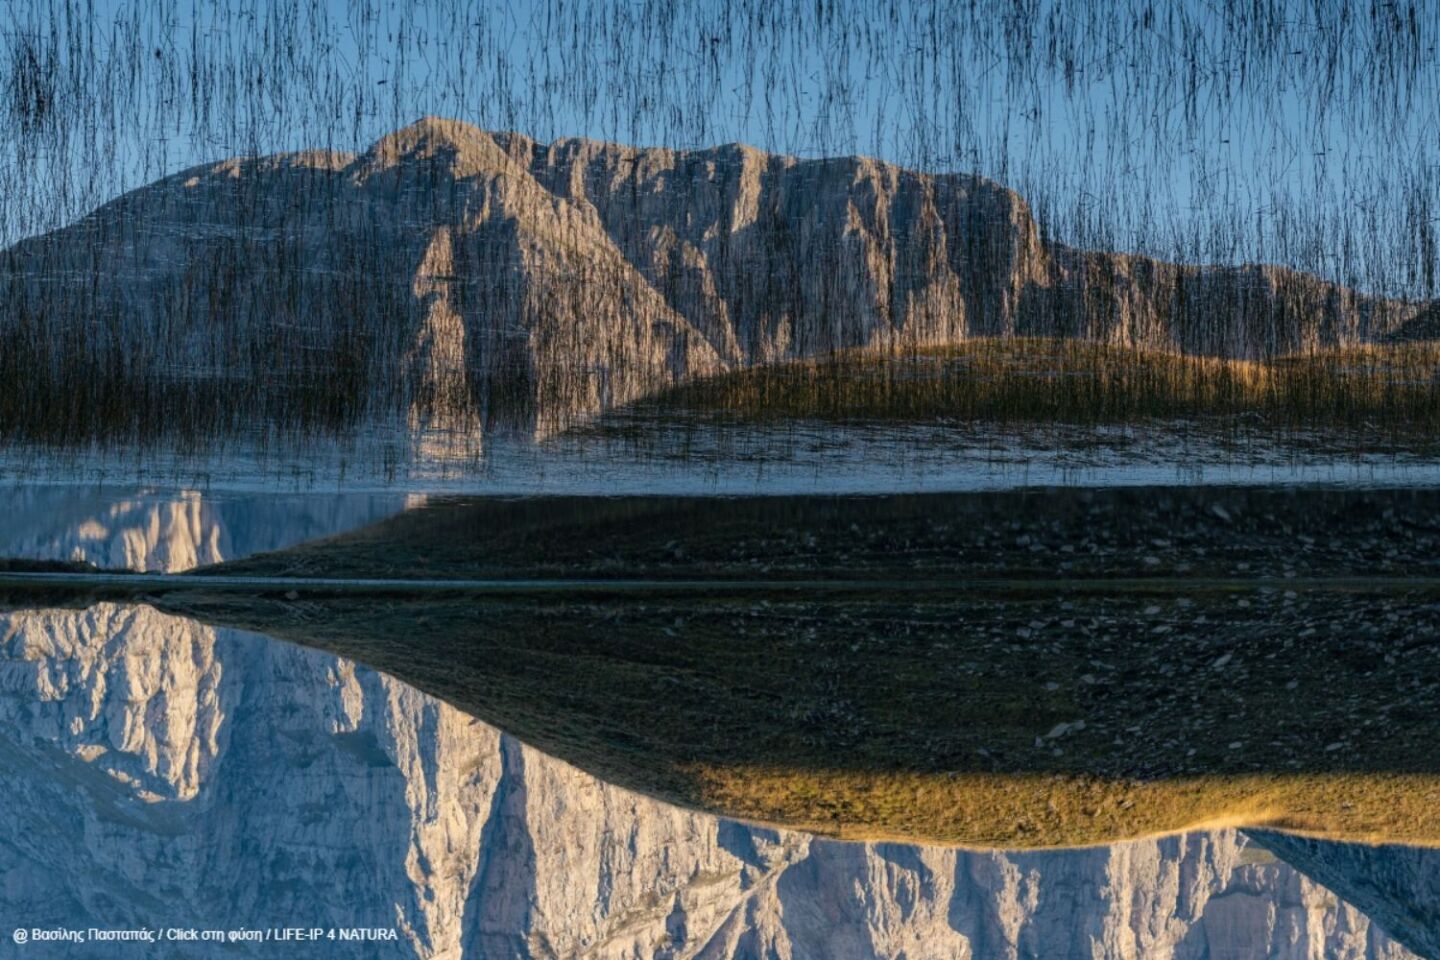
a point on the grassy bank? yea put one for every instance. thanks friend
(982, 720)
(1016, 719)
(1371, 396)
(1394, 388)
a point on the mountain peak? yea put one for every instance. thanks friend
(464, 148)
(433, 129)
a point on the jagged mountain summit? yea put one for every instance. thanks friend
(467, 277)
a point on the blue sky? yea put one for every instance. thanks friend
(1308, 137)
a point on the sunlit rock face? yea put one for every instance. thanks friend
(773, 257)
(459, 277)
(129, 692)
(171, 531)
(159, 771)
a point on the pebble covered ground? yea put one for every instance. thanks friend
(1044, 532)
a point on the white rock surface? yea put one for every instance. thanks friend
(159, 772)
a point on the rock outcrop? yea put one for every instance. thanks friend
(466, 277)
(160, 772)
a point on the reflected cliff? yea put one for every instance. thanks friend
(159, 771)
(171, 530)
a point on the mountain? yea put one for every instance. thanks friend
(160, 772)
(1424, 325)
(773, 257)
(460, 277)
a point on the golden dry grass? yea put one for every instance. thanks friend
(1394, 387)
(1066, 810)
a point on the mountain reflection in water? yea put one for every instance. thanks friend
(161, 772)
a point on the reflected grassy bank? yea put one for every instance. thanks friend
(979, 720)
(985, 717)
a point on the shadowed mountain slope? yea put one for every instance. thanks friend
(1398, 887)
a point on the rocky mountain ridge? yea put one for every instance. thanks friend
(469, 277)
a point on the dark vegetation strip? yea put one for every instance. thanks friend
(1037, 713)
(133, 583)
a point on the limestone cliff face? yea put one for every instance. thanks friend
(430, 271)
(157, 771)
(775, 257)
(467, 276)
